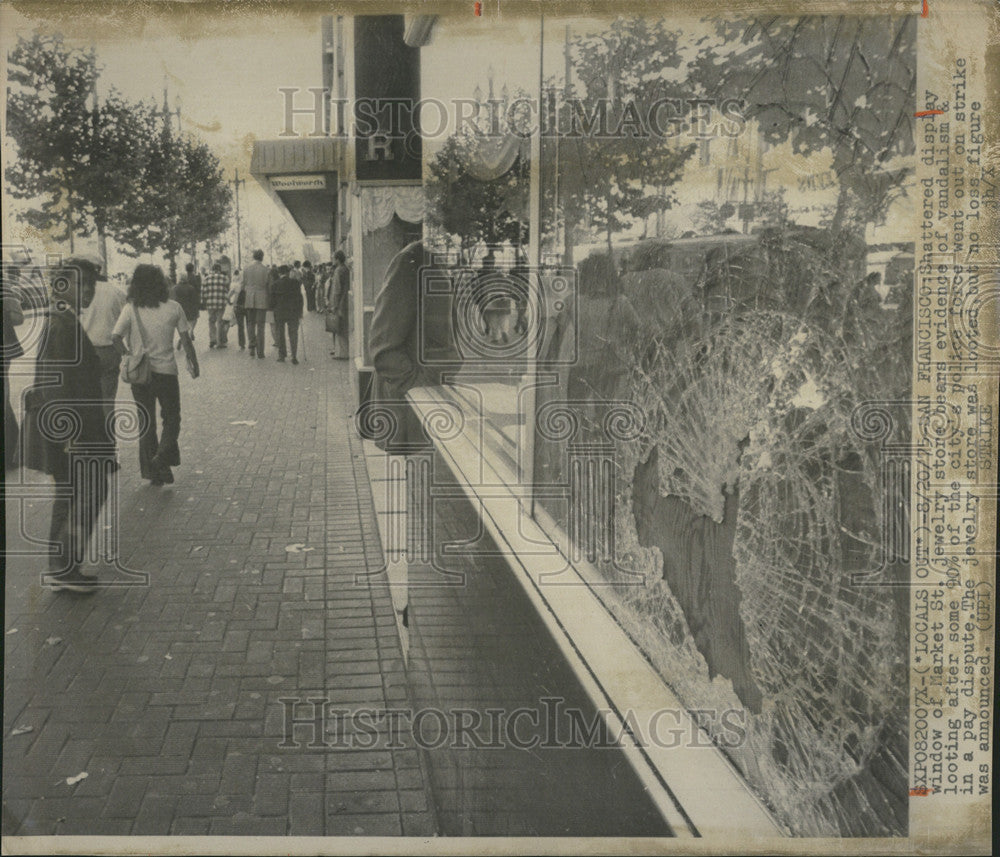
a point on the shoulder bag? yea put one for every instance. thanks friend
(135, 364)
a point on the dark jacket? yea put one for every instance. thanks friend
(189, 297)
(340, 287)
(193, 280)
(69, 413)
(286, 299)
(409, 349)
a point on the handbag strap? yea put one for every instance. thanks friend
(142, 330)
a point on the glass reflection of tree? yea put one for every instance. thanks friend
(478, 183)
(615, 168)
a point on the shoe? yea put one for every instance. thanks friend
(165, 476)
(295, 361)
(72, 581)
(281, 359)
(156, 481)
(260, 354)
(161, 462)
(211, 345)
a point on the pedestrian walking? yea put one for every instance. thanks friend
(191, 277)
(286, 298)
(187, 293)
(336, 306)
(214, 294)
(148, 323)
(67, 393)
(271, 323)
(98, 321)
(257, 301)
(237, 300)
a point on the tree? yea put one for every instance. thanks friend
(277, 244)
(478, 184)
(611, 174)
(114, 166)
(181, 199)
(622, 172)
(76, 157)
(120, 131)
(712, 217)
(844, 84)
(474, 209)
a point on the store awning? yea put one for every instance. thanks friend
(301, 174)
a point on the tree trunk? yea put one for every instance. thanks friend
(840, 212)
(567, 237)
(102, 246)
(69, 223)
(846, 234)
(611, 254)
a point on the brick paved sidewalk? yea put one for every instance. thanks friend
(167, 695)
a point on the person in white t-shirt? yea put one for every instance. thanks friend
(149, 321)
(98, 321)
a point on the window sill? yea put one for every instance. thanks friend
(696, 789)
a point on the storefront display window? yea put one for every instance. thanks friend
(478, 226)
(669, 344)
(696, 436)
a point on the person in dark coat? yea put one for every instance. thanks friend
(65, 420)
(409, 349)
(286, 298)
(187, 293)
(336, 301)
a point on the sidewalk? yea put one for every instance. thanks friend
(168, 695)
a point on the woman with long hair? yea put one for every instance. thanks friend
(148, 322)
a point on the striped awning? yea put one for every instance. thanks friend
(295, 155)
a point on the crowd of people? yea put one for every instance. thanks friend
(96, 334)
(268, 298)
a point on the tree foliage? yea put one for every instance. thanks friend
(712, 217)
(182, 200)
(49, 116)
(111, 165)
(845, 84)
(613, 174)
(475, 209)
